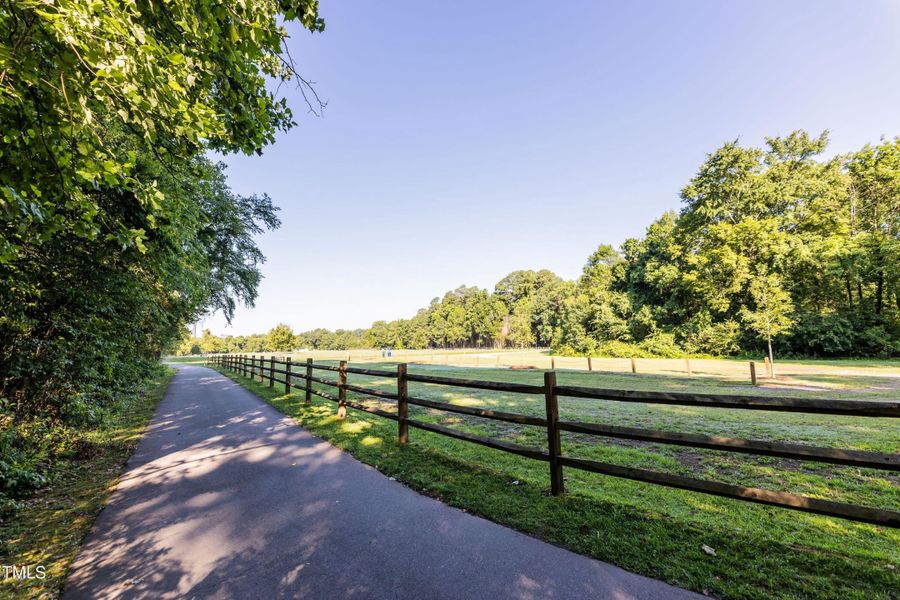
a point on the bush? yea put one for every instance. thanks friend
(821, 335)
(843, 334)
(23, 456)
(877, 341)
(662, 345)
(616, 349)
(657, 345)
(716, 339)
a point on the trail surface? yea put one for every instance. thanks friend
(225, 497)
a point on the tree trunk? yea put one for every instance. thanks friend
(879, 294)
(771, 358)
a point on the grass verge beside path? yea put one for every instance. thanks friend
(760, 552)
(49, 529)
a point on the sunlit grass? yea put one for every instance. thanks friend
(761, 552)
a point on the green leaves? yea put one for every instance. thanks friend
(75, 68)
(114, 231)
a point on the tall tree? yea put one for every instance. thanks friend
(280, 338)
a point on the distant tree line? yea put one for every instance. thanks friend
(774, 246)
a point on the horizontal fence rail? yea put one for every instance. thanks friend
(262, 369)
(855, 408)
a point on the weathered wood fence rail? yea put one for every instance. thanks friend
(270, 369)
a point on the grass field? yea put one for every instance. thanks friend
(186, 360)
(865, 377)
(49, 528)
(760, 552)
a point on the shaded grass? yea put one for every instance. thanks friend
(761, 552)
(49, 528)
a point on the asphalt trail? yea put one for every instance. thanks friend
(225, 497)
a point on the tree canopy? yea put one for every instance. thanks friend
(116, 230)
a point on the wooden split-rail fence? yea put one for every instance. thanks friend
(286, 373)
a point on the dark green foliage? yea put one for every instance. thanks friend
(115, 230)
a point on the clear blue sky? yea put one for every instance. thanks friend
(465, 140)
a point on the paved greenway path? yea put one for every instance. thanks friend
(227, 498)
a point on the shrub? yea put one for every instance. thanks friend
(716, 339)
(616, 349)
(662, 345)
(842, 334)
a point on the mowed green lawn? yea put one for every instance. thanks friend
(760, 551)
(186, 360)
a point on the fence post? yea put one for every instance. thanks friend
(272, 371)
(287, 377)
(342, 389)
(633, 365)
(553, 363)
(752, 372)
(590, 364)
(262, 369)
(309, 380)
(687, 363)
(768, 367)
(402, 405)
(554, 445)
